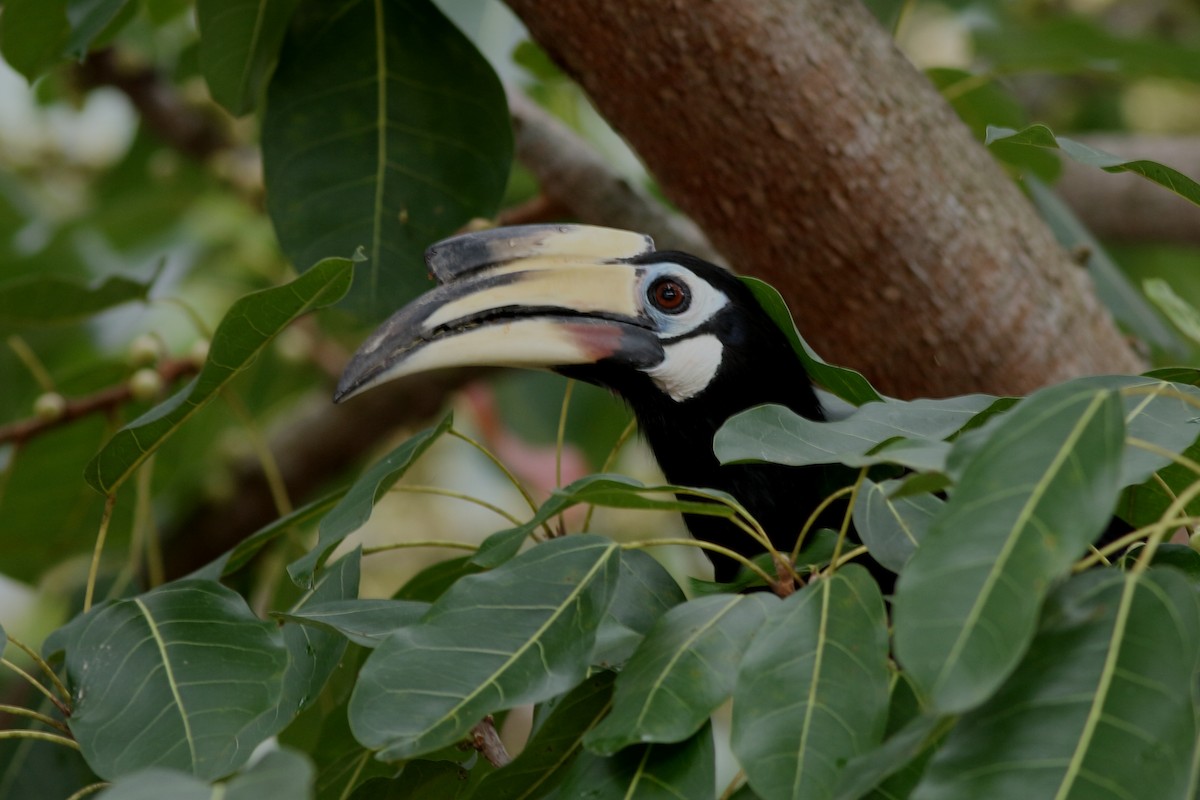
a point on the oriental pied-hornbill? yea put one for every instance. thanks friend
(683, 341)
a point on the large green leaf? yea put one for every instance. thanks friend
(173, 678)
(1036, 487)
(684, 668)
(892, 527)
(867, 771)
(812, 690)
(239, 41)
(554, 746)
(1043, 137)
(43, 493)
(36, 300)
(781, 436)
(278, 775)
(1103, 705)
(313, 654)
(355, 508)
(841, 381)
(364, 622)
(518, 634)
(645, 591)
(385, 129)
(646, 772)
(33, 34)
(248, 326)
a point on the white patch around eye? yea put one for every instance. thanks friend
(706, 300)
(688, 366)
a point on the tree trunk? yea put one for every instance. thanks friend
(816, 157)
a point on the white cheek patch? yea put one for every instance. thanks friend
(688, 367)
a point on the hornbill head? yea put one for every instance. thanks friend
(684, 342)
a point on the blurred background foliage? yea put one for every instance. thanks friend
(95, 183)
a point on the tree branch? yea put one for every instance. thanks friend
(190, 130)
(570, 171)
(815, 156)
(101, 402)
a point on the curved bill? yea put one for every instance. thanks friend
(541, 306)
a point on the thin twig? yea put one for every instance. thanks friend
(40, 736)
(35, 683)
(703, 545)
(42, 665)
(446, 543)
(103, 401)
(97, 551)
(608, 462)
(18, 711)
(440, 492)
(513, 479)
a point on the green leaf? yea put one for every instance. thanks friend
(981, 99)
(845, 383)
(1184, 315)
(888, 12)
(91, 20)
(1114, 288)
(278, 775)
(37, 300)
(173, 678)
(33, 34)
(608, 491)
(3, 640)
(554, 746)
(518, 634)
(1103, 704)
(645, 591)
(233, 560)
(248, 326)
(812, 690)
(781, 436)
(681, 672)
(1041, 136)
(364, 622)
(1155, 411)
(313, 654)
(342, 763)
(385, 129)
(432, 582)
(1069, 44)
(866, 771)
(239, 41)
(892, 527)
(355, 508)
(1037, 485)
(647, 772)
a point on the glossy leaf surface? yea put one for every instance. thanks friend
(1036, 488)
(520, 633)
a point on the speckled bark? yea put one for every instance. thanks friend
(814, 156)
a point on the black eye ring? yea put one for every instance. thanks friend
(669, 295)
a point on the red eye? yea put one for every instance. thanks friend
(669, 295)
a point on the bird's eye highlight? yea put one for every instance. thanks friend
(669, 295)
